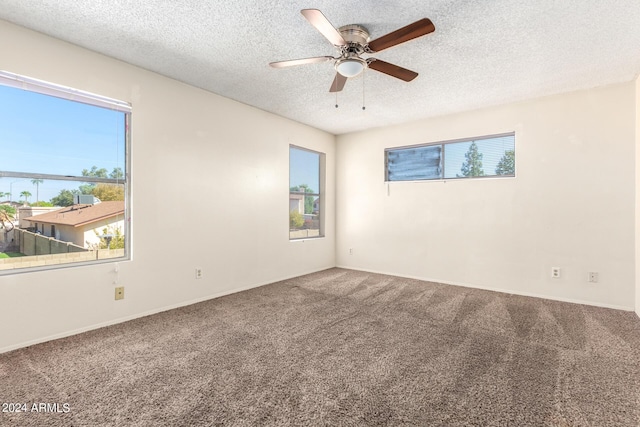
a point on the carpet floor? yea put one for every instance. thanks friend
(339, 348)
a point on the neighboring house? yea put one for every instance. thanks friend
(79, 223)
(296, 203)
(29, 211)
(23, 211)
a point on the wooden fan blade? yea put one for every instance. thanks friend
(393, 70)
(338, 83)
(322, 24)
(404, 34)
(293, 62)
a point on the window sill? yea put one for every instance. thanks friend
(304, 239)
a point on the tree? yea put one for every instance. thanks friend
(7, 214)
(37, 183)
(64, 198)
(106, 192)
(308, 200)
(26, 195)
(95, 172)
(116, 173)
(111, 238)
(507, 164)
(10, 210)
(3, 194)
(296, 220)
(473, 163)
(42, 204)
(86, 188)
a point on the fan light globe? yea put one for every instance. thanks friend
(350, 67)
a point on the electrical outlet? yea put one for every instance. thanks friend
(350, 251)
(555, 272)
(593, 277)
(198, 273)
(120, 292)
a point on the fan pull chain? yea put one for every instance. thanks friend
(336, 99)
(363, 74)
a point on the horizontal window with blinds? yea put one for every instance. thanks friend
(492, 156)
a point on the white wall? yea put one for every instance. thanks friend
(226, 161)
(571, 204)
(637, 196)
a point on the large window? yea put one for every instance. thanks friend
(306, 193)
(64, 171)
(492, 156)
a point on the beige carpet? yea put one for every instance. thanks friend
(340, 348)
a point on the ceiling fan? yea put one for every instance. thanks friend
(352, 41)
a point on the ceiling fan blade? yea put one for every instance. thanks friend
(404, 34)
(338, 83)
(293, 62)
(322, 24)
(393, 70)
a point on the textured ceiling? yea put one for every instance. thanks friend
(482, 52)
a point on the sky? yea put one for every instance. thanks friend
(304, 168)
(48, 135)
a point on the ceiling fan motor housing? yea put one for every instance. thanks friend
(350, 64)
(355, 35)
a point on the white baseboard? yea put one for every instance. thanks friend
(504, 291)
(148, 313)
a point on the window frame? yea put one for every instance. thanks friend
(320, 193)
(75, 95)
(443, 144)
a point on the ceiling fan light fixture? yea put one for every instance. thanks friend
(350, 67)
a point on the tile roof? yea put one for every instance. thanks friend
(79, 215)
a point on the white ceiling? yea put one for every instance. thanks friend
(482, 52)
